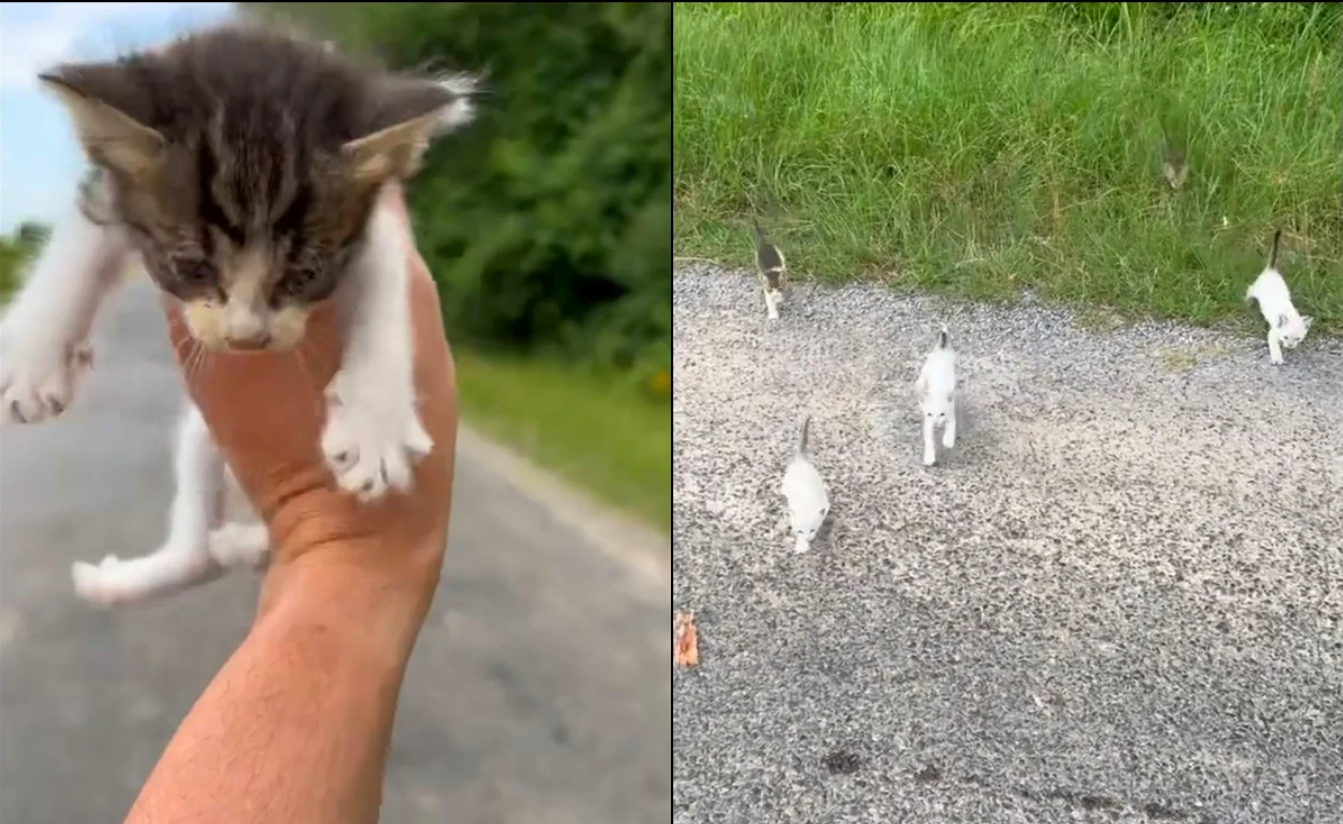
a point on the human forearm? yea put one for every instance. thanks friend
(295, 727)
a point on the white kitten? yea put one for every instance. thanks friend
(1286, 327)
(936, 389)
(808, 498)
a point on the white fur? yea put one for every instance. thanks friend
(372, 437)
(1286, 327)
(936, 389)
(807, 496)
(44, 348)
(462, 110)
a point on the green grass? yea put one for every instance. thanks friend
(597, 431)
(981, 149)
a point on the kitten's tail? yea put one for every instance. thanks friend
(1273, 255)
(802, 439)
(942, 337)
(759, 233)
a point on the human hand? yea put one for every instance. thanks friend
(266, 412)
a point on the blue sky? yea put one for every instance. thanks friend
(40, 162)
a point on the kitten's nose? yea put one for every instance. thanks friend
(249, 343)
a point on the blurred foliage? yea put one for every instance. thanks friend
(547, 222)
(17, 252)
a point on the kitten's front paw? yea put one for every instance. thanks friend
(949, 438)
(38, 375)
(1275, 358)
(369, 443)
(929, 458)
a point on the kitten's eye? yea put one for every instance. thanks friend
(298, 279)
(196, 272)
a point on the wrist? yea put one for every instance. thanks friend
(373, 617)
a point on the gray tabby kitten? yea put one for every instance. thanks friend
(770, 264)
(244, 167)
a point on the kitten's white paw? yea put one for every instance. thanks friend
(98, 584)
(241, 545)
(38, 375)
(371, 443)
(948, 438)
(929, 458)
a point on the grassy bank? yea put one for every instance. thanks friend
(596, 431)
(982, 149)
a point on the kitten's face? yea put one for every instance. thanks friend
(1292, 331)
(248, 244)
(936, 409)
(244, 166)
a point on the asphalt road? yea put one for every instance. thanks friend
(1119, 599)
(538, 693)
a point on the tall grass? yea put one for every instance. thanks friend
(986, 148)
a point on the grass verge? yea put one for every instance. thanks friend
(983, 149)
(593, 430)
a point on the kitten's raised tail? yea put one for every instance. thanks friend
(759, 233)
(802, 439)
(942, 337)
(1273, 255)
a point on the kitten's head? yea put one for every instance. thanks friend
(244, 165)
(1292, 329)
(936, 408)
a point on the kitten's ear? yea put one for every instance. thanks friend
(100, 98)
(1282, 321)
(408, 113)
(1307, 320)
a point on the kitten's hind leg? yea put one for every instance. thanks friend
(44, 347)
(184, 559)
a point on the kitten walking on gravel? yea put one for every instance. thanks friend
(936, 389)
(770, 264)
(808, 498)
(246, 169)
(1286, 326)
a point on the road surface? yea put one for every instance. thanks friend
(1120, 599)
(538, 693)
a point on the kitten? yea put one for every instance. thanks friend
(244, 167)
(1286, 327)
(1175, 168)
(770, 264)
(936, 388)
(808, 498)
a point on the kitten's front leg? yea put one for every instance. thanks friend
(929, 446)
(949, 429)
(373, 435)
(44, 348)
(1274, 346)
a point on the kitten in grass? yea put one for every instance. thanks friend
(1286, 326)
(770, 264)
(244, 167)
(808, 498)
(936, 390)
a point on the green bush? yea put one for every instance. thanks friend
(547, 222)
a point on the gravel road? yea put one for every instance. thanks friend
(1118, 600)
